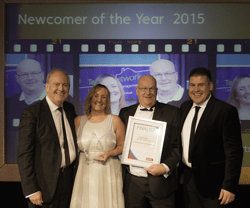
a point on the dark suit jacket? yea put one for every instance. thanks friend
(39, 153)
(217, 151)
(160, 186)
(14, 111)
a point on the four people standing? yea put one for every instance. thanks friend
(210, 144)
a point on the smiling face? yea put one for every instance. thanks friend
(199, 89)
(58, 88)
(99, 100)
(243, 91)
(30, 76)
(147, 98)
(113, 88)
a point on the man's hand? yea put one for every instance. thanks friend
(156, 169)
(37, 198)
(226, 197)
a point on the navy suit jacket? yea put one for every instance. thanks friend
(217, 151)
(39, 152)
(160, 186)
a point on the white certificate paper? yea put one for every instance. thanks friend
(143, 142)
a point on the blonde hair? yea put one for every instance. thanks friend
(93, 90)
(122, 102)
(232, 99)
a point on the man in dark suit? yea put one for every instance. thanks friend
(157, 183)
(47, 149)
(212, 150)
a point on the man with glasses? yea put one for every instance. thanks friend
(164, 72)
(156, 184)
(30, 77)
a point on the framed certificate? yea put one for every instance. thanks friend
(143, 142)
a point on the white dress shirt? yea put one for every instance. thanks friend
(58, 123)
(186, 130)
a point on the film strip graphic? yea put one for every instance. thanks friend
(130, 46)
(80, 59)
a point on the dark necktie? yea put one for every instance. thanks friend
(192, 134)
(65, 146)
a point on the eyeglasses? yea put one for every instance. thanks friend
(144, 89)
(26, 75)
(158, 76)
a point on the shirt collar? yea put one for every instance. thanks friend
(52, 106)
(176, 97)
(141, 107)
(23, 98)
(203, 105)
(179, 94)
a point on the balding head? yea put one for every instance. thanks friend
(30, 76)
(147, 91)
(164, 73)
(28, 64)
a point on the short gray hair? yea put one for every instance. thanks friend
(57, 70)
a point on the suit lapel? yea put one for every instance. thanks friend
(157, 112)
(69, 117)
(72, 126)
(185, 111)
(132, 110)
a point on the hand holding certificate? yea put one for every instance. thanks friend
(143, 142)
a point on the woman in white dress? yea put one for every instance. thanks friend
(100, 138)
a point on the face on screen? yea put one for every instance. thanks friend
(164, 73)
(113, 88)
(146, 91)
(30, 76)
(243, 91)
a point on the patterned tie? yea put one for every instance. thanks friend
(65, 146)
(192, 134)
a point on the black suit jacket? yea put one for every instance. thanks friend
(160, 186)
(39, 153)
(217, 151)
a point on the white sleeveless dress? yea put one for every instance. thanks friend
(97, 184)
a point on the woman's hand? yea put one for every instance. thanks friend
(103, 157)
